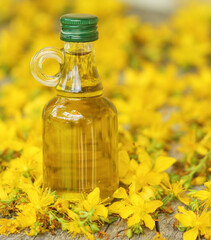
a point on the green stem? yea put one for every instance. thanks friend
(196, 169)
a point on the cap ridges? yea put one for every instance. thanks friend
(79, 27)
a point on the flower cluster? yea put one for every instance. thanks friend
(158, 77)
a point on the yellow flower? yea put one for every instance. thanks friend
(120, 193)
(147, 193)
(127, 167)
(62, 206)
(176, 189)
(182, 52)
(96, 8)
(124, 162)
(93, 202)
(10, 179)
(3, 193)
(199, 224)
(204, 195)
(80, 222)
(8, 137)
(10, 102)
(74, 228)
(27, 215)
(148, 172)
(8, 226)
(190, 144)
(38, 197)
(199, 180)
(134, 208)
(29, 163)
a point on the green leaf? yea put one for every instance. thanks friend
(129, 233)
(94, 227)
(113, 219)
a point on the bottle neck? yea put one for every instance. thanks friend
(79, 75)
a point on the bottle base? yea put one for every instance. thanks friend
(80, 196)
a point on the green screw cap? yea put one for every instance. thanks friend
(78, 27)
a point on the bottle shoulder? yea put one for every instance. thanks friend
(108, 102)
(93, 107)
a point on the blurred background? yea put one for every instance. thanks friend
(145, 49)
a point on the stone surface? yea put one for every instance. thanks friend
(166, 222)
(118, 229)
(114, 231)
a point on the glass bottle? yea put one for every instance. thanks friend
(79, 124)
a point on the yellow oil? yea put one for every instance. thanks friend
(80, 131)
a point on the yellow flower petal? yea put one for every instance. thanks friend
(151, 206)
(201, 150)
(187, 218)
(144, 157)
(208, 184)
(154, 178)
(61, 205)
(116, 206)
(190, 234)
(38, 197)
(120, 193)
(27, 216)
(203, 221)
(3, 194)
(184, 199)
(202, 195)
(126, 211)
(137, 200)
(147, 193)
(8, 226)
(165, 180)
(163, 163)
(71, 214)
(124, 162)
(132, 188)
(133, 220)
(149, 222)
(86, 205)
(198, 180)
(101, 210)
(94, 197)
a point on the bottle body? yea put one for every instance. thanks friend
(79, 124)
(80, 146)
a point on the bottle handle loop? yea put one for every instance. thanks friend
(37, 62)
